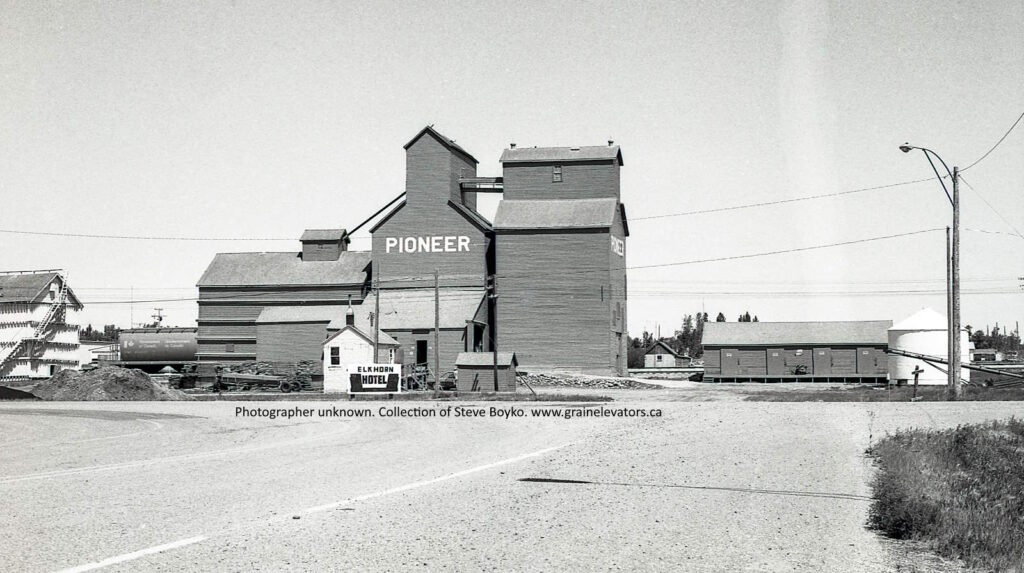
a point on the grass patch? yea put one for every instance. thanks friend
(959, 491)
(871, 393)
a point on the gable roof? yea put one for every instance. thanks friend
(383, 338)
(556, 214)
(31, 287)
(563, 154)
(413, 308)
(445, 141)
(276, 269)
(472, 216)
(871, 332)
(486, 359)
(322, 235)
(289, 314)
(663, 346)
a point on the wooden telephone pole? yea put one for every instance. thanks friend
(437, 332)
(376, 315)
(492, 296)
(956, 391)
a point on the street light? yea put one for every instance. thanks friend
(953, 269)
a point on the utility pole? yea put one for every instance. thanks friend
(954, 362)
(437, 332)
(376, 315)
(949, 310)
(493, 298)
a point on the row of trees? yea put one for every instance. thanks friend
(1005, 343)
(108, 334)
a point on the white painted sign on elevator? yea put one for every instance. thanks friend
(445, 244)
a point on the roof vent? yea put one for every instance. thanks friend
(611, 142)
(512, 146)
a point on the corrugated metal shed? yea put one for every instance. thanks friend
(283, 314)
(796, 333)
(555, 154)
(410, 309)
(284, 269)
(486, 359)
(556, 214)
(322, 235)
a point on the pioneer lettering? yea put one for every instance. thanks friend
(447, 244)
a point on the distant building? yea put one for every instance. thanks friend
(795, 351)
(38, 325)
(986, 355)
(661, 355)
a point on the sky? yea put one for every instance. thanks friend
(261, 119)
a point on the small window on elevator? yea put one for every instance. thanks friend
(556, 174)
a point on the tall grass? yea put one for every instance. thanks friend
(961, 491)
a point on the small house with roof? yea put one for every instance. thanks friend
(39, 320)
(661, 355)
(475, 371)
(351, 345)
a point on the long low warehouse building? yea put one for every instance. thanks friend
(850, 351)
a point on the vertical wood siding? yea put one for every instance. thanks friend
(580, 180)
(483, 378)
(465, 268)
(553, 299)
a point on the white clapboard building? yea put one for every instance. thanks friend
(38, 325)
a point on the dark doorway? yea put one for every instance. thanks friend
(421, 352)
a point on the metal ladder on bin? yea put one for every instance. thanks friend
(58, 304)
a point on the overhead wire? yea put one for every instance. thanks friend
(425, 280)
(1016, 232)
(998, 143)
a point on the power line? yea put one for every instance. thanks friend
(1001, 139)
(794, 250)
(779, 202)
(406, 280)
(993, 209)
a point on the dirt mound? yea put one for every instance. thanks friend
(105, 383)
(12, 394)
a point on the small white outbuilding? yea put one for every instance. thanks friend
(349, 346)
(924, 332)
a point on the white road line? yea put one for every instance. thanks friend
(319, 508)
(152, 461)
(135, 555)
(157, 424)
(407, 487)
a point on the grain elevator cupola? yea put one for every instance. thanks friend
(324, 244)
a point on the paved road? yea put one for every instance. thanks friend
(710, 486)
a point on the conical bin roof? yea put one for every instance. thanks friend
(924, 319)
